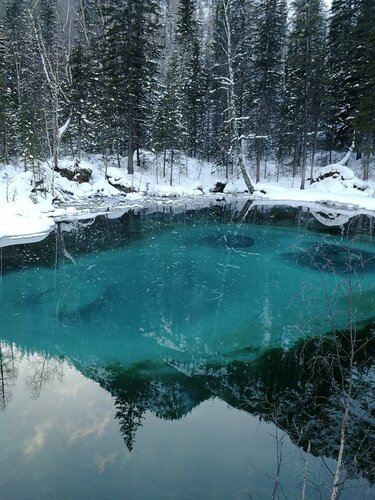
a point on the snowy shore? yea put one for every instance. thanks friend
(28, 215)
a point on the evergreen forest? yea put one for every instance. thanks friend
(282, 80)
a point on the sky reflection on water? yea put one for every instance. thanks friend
(67, 444)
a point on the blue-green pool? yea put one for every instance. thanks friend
(165, 356)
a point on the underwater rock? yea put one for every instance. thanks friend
(333, 258)
(91, 310)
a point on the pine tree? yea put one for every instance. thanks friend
(48, 23)
(268, 75)
(306, 76)
(363, 79)
(169, 127)
(190, 79)
(341, 46)
(79, 96)
(23, 68)
(130, 62)
(86, 129)
(4, 99)
(352, 72)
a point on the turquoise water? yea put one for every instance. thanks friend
(120, 359)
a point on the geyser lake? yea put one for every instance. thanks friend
(174, 355)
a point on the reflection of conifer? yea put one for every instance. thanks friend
(301, 391)
(131, 391)
(130, 416)
(164, 391)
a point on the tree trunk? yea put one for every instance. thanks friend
(306, 105)
(232, 100)
(55, 133)
(367, 157)
(79, 139)
(314, 144)
(171, 172)
(164, 161)
(257, 174)
(130, 146)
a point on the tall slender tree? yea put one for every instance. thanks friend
(190, 88)
(4, 99)
(228, 82)
(305, 72)
(268, 75)
(341, 46)
(130, 61)
(363, 78)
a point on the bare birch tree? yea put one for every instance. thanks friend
(51, 71)
(229, 84)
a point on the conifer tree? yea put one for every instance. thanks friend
(306, 68)
(268, 75)
(363, 80)
(86, 130)
(341, 46)
(4, 99)
(23, 72)
(169, 126)
(130, 53)
(190, 79)
(48, 23)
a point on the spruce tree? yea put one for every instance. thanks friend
(48, 23)
(268, 76)
(168, 136)
(4, 99)
(130, 63)
(23, 68)
(363, 79)
(341, 46)
(306, 76)
(190, 79)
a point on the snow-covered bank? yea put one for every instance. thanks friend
(29, 206)
(23, 221)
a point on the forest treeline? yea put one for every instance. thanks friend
(112, 77)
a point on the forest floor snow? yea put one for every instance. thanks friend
(29, 207)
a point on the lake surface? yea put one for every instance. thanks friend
(179, 355)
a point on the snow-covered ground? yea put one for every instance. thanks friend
(29, 214)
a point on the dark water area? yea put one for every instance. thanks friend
(197, 354)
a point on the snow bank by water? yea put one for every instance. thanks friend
(28, 207)
(23, 221)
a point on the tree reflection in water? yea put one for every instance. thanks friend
(42, 370)
(299, 389)
(8, 373)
